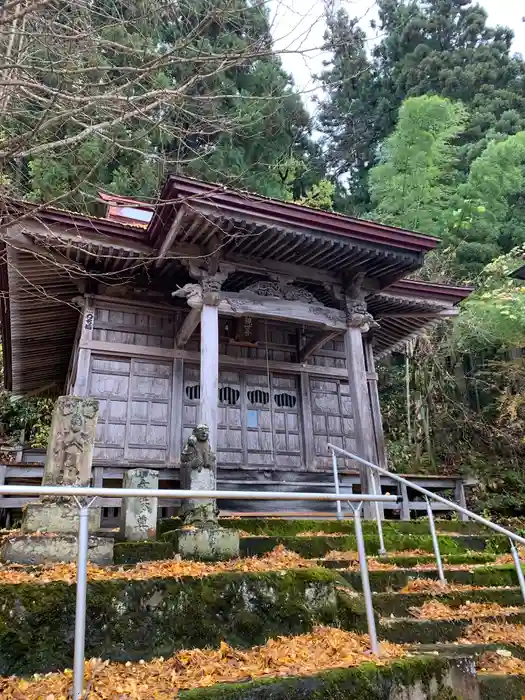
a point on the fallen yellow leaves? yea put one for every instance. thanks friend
(427, 585)
(325, 648)
(435, 610)
(277, 560)
(494, 633)
(501, 662)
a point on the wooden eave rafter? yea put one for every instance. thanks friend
(404, 316)
(231, 202)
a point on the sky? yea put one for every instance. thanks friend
(298, 28)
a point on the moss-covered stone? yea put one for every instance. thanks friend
(316, 547)
(380, 581)
(277, 527)
(413, 679)
(399, 604)
(506, 687)
(136, 552)
(409, 631)
(131, 620)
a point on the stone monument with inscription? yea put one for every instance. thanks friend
(50, 524)
(201, 537)
(139, 515)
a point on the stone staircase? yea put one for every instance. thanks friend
(464, 641)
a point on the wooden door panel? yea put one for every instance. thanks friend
(331, 418)
(135, 416)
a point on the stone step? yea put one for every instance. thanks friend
(279, 527)
(409, 561)
(489, 576)
(400, 604)
(412, 678)
(467, 650)
(139, 619)
(316, 547)
(501, 687)
(409, 630)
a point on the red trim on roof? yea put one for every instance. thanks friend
(80, 222)
(118, 199)
(291, 215)
(438, 292)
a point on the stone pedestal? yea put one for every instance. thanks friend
(58, 518)
(208, 544)
(53, 549)
(50, 525)
(139, 515)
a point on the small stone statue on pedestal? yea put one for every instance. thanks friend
(198, 466)
(201, 537)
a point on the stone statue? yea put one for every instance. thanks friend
(199, 473)
(70, 450)
(50, 524)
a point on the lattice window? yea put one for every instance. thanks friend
(258, 396)
(285, 400)
(193, 392)
(229, 395)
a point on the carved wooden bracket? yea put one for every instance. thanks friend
(357, 315)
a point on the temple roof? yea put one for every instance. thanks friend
(49, 254)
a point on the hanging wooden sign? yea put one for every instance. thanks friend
(244, 331)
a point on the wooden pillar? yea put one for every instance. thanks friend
(209, 371)
(358, 386)
(358, 322)
(83, 357)
(375, 406)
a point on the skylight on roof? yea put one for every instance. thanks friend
(137, 214)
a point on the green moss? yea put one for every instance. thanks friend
(410, 631)
(318, 546)
(468, 558)
(131, 620)
(136, 552)
(290, 528)
(501, 687)
(399, 604)
(381, 581)
(365, 681)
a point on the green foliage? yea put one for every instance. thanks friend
(237, 114)
(444, 48)
(415, 180)
(494, 316)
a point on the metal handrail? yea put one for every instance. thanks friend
(86, 492)
(512, 536)
(429, 494)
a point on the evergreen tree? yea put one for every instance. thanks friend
(137, 89)
(440, 47)
(414, 183)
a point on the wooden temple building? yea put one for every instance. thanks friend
(261, 318)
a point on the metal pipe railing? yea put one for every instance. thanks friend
(94, 493)
(105, 492)
(513, 537)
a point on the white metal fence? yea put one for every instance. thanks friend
(85, 497)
